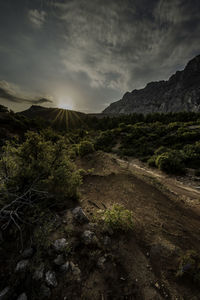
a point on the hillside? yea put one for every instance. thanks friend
(56, 117)
(180, 93)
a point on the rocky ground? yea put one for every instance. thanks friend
(72, 256)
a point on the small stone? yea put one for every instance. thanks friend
(50, 278)
(22, 265)
(45, 292)
(4, 293)
(59, 260)
(65, 267)
(79, 215)
(88, 237)
(28, 253)
(101, 262)
(157, 285)
(22, 297)
(60, 244)
(39, 272)
(75, 271)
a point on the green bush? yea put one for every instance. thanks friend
(105, 141)
(39, 168)
(152, 161)
(118, 218)
(85, 147)
(170, 162)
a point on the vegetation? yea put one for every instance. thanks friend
(118, 218)
(37, 172)
(85, 147)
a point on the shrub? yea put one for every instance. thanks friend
(105, 141)
(152, 161)
(118, 218)
(170, 162)
(39, 171)
(85, 147)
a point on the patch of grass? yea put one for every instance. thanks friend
(118, 218)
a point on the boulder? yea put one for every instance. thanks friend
(59, 260)
(59, 245)
(50, 278)
(4, 294)
(65, 267)
(22, 265)
(89, 237)
(22, 297)
(79, 215)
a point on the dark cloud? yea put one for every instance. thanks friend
(7, 94)
(86, 54)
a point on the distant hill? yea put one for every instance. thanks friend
(57, 117)
(180, 93)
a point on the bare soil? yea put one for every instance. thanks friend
(167, 222)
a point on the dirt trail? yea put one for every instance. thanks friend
(176, 186)
(166, 214)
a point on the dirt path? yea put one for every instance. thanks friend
(177, 186)
(167, 222)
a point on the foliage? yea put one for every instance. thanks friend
(170, 162)
(36, 172)
(118, 218)
(189, 266)
(105, 140)
(85, 147)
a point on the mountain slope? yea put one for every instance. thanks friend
(180, 93)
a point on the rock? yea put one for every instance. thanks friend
(180, 93)
(4, 294)
(59, 260)
(89, 237)
(39, 272)
(76, 272)
(22, 297)
(60, 245)
(22, 265)
(101, 262)
(45, 292)
(50, 278)
(28, 253)
(65, 267)
(79, 215)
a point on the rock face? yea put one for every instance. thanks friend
(180, 93)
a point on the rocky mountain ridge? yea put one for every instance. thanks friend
(180, 93)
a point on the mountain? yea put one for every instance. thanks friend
(57, 117)
(180, 93)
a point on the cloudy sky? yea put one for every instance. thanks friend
(85, 54)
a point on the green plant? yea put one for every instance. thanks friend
(118, 218)
(170, 162)
(37, 172)
(85, 147)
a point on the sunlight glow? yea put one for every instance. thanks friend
(66, 103)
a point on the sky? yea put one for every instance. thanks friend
(85, 54)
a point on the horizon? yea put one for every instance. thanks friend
(83, 56)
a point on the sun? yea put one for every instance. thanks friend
(66, 103)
